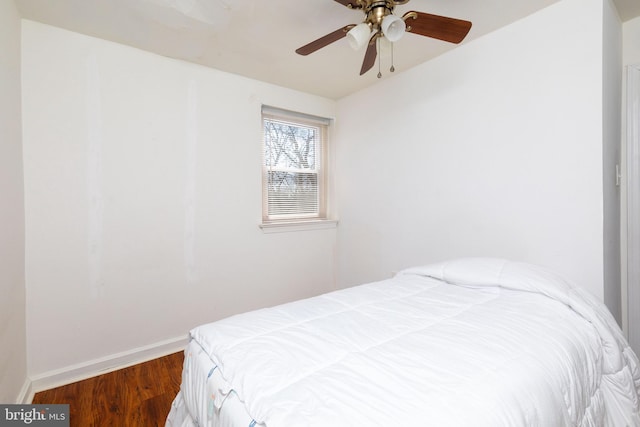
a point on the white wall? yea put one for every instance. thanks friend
(493, 149)
(143, 199)
(13, 354)
(631, 41)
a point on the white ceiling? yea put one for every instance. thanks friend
(257, 38)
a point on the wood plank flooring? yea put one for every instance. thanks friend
(140, 395)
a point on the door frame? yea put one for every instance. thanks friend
(633, 205)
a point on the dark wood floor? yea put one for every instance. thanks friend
(140, 395)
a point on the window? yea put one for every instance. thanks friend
(293, 179)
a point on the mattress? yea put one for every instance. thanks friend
(482, 342)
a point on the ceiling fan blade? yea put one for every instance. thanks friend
(351, 4)
(324, 41)
(437, 27)
(370, 55)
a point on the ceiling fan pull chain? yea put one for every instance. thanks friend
(378, 47)
(392, 69)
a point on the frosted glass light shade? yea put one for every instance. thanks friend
(393, 28)
(358, 36)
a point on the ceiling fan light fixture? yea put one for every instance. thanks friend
(359, 35)
(393, 27)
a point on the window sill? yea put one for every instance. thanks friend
(283, 227)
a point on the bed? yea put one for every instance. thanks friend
(466, 342)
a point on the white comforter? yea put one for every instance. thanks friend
(474, 342)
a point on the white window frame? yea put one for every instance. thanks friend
(297, 221)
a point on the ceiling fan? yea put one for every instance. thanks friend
(380, 22)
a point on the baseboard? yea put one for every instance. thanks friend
(26, 393)
(92, 368)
